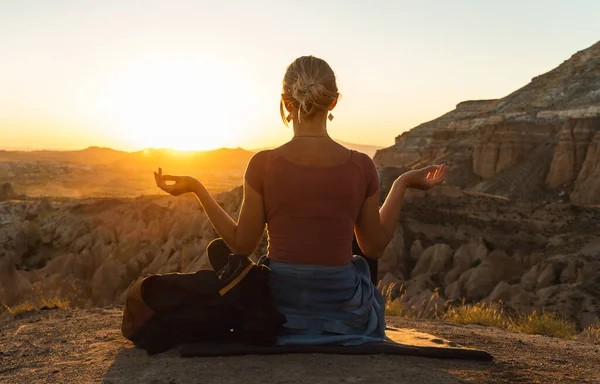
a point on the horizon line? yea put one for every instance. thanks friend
(21, 149)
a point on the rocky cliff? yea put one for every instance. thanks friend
(541, 140)
(519, 221)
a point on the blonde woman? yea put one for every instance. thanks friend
(314, 195)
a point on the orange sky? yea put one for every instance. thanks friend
(201, 75)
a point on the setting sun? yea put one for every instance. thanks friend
(181, 102)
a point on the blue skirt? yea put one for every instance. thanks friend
(327, 304)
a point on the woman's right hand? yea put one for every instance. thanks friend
(424, 178)
(183, 184)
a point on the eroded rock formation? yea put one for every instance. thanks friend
(540, 141)
(478, 247)
(6, 191)
(90, 251)
(572, 143)
(587, 185)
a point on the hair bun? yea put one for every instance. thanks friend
(308, 93)
(310, 83)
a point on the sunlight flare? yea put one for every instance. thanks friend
(180, 103)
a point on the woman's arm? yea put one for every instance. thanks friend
(375, 227)
(241, 237)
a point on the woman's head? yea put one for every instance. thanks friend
(309, 87)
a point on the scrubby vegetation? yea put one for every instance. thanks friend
(542, 323)
(479, 313)
(591, 334)
(28, 306)
(38, 300)
(488, 314)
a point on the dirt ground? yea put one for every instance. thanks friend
(85, 346)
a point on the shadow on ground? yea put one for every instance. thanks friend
(132, 365)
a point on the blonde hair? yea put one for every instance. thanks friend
(309, 84)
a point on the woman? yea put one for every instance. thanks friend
(314, 195)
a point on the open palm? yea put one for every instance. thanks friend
(425, 178)
(183, 184)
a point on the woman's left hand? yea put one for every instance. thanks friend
(183, 184)
(424, 178)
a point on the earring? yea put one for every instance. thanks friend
(289, 117)
(330, 117)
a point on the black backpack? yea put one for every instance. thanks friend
(231, 305)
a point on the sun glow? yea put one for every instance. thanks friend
(180, 103)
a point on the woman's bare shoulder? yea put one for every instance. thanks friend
(362, 158)
(263, 154)
(263, 157)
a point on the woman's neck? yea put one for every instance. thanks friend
(311, 128)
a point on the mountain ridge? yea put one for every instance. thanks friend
(151, 156)
(541, 141)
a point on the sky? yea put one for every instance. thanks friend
(207, 74)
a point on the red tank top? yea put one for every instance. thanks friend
(311, 210)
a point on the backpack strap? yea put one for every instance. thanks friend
(238, 275)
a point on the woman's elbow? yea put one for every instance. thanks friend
(244, 248)
(373, 251)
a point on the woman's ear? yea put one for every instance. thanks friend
(334, 102)
(287, 103)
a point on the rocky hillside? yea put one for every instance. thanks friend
(462, 245)
(479, 247)
(104, 172)
(541, 141)
(90, 251)
(519, 222)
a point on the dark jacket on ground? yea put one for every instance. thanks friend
(230, 305)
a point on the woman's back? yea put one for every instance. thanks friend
(313, 194)
(313, 189)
